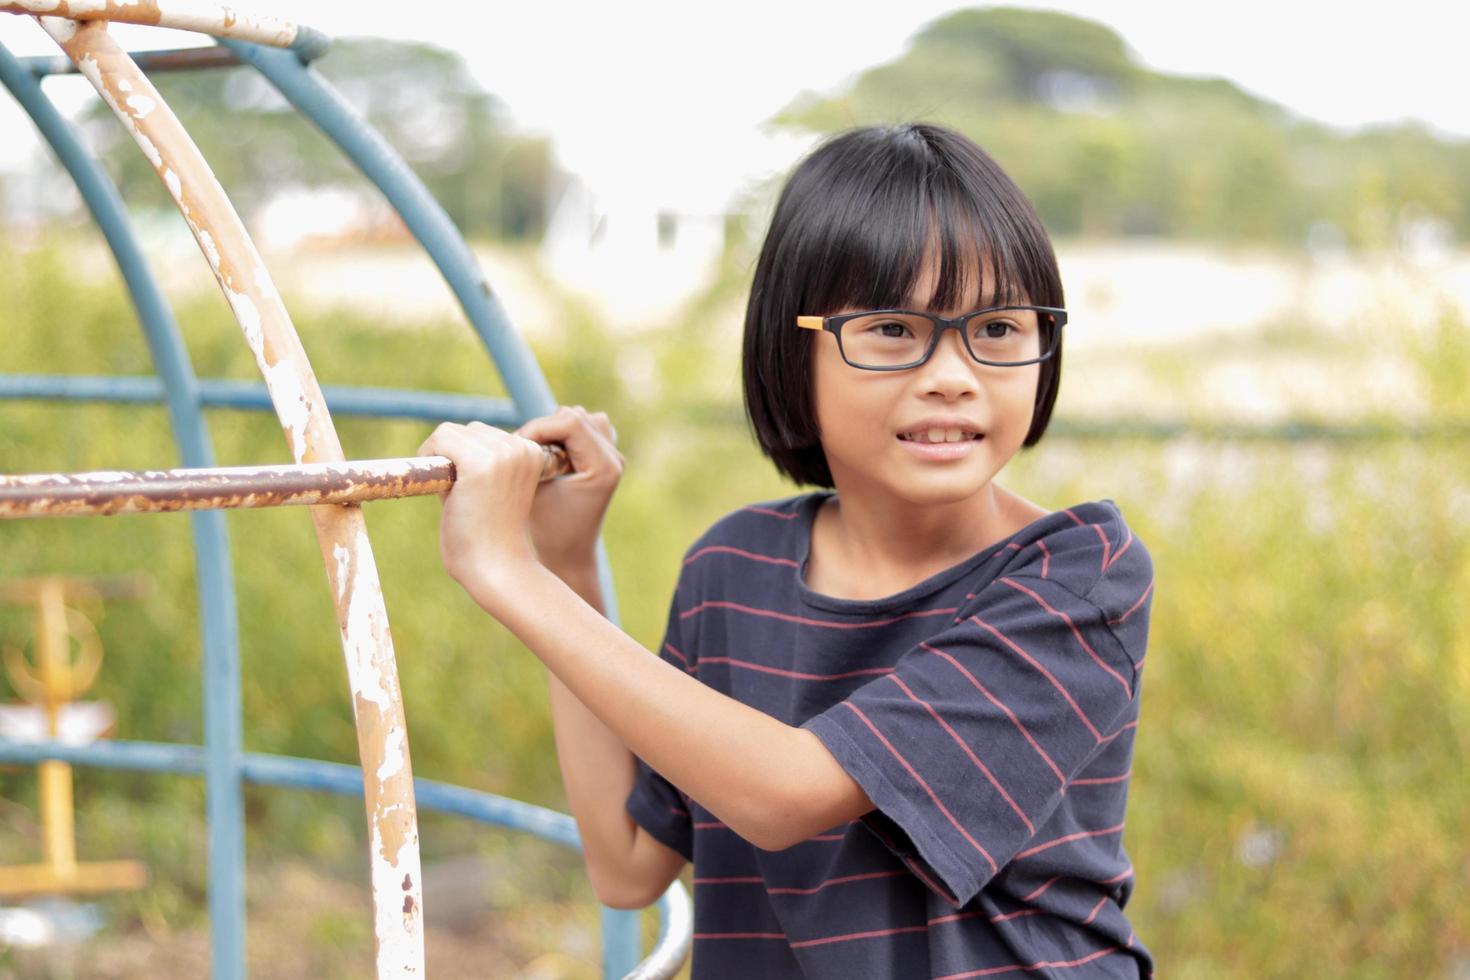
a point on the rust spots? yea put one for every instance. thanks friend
(227, 487)
(408, 882)
(408, 905)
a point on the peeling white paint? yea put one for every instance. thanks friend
(399, 933)
(61, 29)
(359, 640)
(176, 190)
(211, 252)
(393, 754)
(149, 150)
(141, 105)
(78, 7)
(292, 408)
(245, 311)
(343, 558)
(41, 7)
(264, 284)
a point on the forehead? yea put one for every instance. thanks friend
(970, 281)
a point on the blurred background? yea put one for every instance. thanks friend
(1261, 213)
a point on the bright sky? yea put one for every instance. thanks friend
(662, 100)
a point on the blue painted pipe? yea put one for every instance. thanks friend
(222, 393)
(215, 582)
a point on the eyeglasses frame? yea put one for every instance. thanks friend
(833, 325)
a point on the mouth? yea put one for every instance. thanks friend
(930, 436)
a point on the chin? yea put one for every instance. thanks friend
(939, 491)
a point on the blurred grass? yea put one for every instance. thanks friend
(1298, 801)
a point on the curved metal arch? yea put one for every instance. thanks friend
(519, 371)
(219, 621)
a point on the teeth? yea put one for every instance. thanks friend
(940, 435)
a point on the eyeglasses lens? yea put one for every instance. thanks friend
(1004, 336)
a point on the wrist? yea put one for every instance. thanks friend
(493, 584)
(576, 561)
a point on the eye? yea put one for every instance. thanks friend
(890, 328)
(996, 329)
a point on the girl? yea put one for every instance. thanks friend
(891, 725)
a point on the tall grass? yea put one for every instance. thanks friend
(1299, 795)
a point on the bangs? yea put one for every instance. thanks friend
(872, 251)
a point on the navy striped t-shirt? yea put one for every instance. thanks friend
(988, 712)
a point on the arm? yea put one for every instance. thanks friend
(772, 783)
(627, 867)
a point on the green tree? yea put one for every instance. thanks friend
(1105, 146)
(423, 100)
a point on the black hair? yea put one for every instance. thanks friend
(851, 229)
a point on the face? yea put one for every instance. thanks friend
(865, 417)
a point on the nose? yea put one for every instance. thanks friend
(950, 370)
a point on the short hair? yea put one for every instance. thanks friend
(850, 229)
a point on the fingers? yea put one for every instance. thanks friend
(477, 448)
(589, 438)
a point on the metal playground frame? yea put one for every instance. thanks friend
(282, 52)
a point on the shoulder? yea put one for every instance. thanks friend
(763, 524)
(1090, 556)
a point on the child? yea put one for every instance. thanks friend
(892, 726)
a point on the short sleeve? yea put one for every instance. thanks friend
(966, 747)
(654, 803)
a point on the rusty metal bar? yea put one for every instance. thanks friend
(234, 487)
(377, 700)
(153, 62)
(200, 16)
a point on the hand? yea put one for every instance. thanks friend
(567, 513)
(484, 530)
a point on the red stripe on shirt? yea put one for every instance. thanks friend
(1045, 964)
(805, 621)
(1077, 520)
(1070, 837)
(1126, 545)
(1120, 731)
(1030, 828)
(1134, 607)
(1095, 910)
(725, 549)
(1006, 917)
(784, 515)
(846, 937)
(1054, 682)
(913, 865)
(1075, 632)
(1045, 557)
(845, 879)
(780, 672)
(999, 704)
(1099, 780)
(1049, 882)
(927, 789)
(1106, 546)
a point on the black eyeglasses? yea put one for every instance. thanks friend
(892, 340)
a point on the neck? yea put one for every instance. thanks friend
(897, 543)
